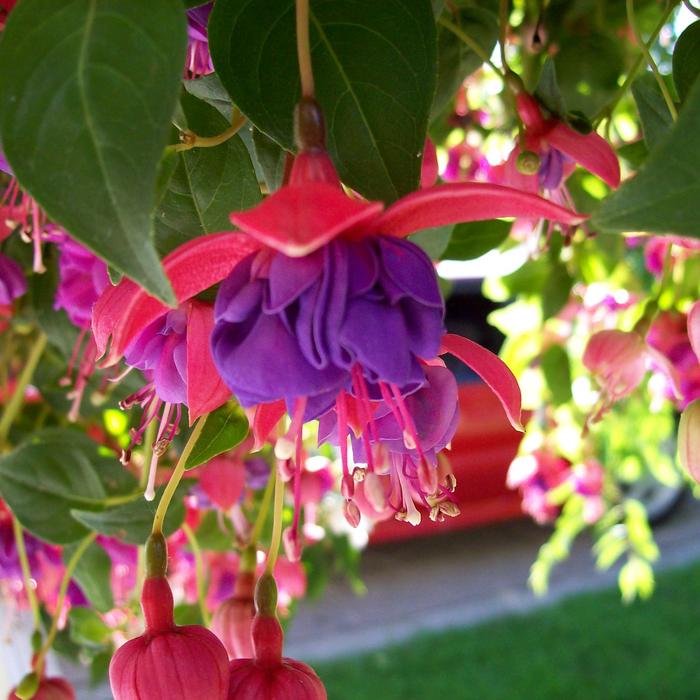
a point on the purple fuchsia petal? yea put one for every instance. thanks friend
(13, 283)
(298, 219)
(467, 201)
(492, 370)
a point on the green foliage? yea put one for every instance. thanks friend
(89, 159)
(653, 111)
(92, 574)
(374, 67)
(686, 60)
(470, 240)
(223, 430)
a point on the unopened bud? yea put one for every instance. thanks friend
(28, 686)
(689, 440)
(156, 556)
(266, 596)
(352, 513)
(528, 163)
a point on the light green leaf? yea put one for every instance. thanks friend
(224, 429)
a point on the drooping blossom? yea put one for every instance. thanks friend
(689, 440)
(269, 675)
(658, 248)
(198, 60)
(13, 283)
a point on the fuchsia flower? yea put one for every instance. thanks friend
(49, 689)
(13, 283)
(620, 360)
(198, 57)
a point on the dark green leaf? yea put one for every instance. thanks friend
(548, 89)
(209, 89)
(686, 60)
(664, 197)
(224, 429)
(557, 374)
(99, 667)
(271, 159)
(470, 240)
(208, 183)
(84, 117)
(653, 112)
(374, 66)
(132, 521)
(588, 68)
(556, 290)
(48, 475)
(455, 59)
(187, 614)
(93, 575)
(634, 154)
(87, 627)
(210, 535)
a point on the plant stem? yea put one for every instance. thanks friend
(650, 61)
(26, 571)
(472, 44)
(70, 568)
(167, 496)
(304, 48)
(199, 573)
(15, 402)
(262, 513)
(503, 30)
(192, 140)
(276, 523)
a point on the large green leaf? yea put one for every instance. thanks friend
(686, 59)
(84, 117)
(93, 574)
(132, 521)
(374, 66)
(224, 429)
(207, 184)
(48, 475)
(664, 197)
(653, 111)
(472, 239)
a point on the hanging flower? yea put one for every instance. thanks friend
(198, 60)
(47, 689)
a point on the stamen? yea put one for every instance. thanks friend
(160, 446)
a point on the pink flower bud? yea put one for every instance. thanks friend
(269, 675)
(618, 360)
(233, 619)
(689, 440)
(50, 689)
(167, 661)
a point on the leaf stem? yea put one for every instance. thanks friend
(262, 513)
(304, 48)
(276, 523)
(15, 402)
(62, 591)
(472, 44)
(167, 496)
(650, 61)
(503, 30)
(199, 573)
(26, 571)
(191, 140)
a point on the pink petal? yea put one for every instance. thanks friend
(591, 151)
(300, 218)
(223, 480)
(694, 328)
(206, 391)
(491, 369)
(689, 440)
(267, 416)
(467, 201)
(429, 169)
(122, 312)
(530, 114)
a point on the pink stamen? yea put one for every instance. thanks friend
(159, 447)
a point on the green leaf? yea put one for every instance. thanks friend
(556, 290)
(548, 90)
(210, 535)
(271, 159)
(132, 521)
(653, 111)
(93, 574)
(209, 89)
(84, 118)
(473, 239)
(686, 60)
(664, 197)
(557, 373)
(87, 627)
(374, 66)
(48, 475)
(588, 68)
(455, 59)
(208, 183)
(224, 429)
(433, 241)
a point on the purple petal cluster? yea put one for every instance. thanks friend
(295, 327)
(551, 172)
(161, 352)
(82, 278)
(13, 283)
(198, 58)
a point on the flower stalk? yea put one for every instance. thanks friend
(18, 531)
(304, 48)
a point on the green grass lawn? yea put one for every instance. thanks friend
(590, 647)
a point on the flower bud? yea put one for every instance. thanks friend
(689, 440)
(233, 620)
(168, 661)
(46, 689)
(528, 163)
(269, 675)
